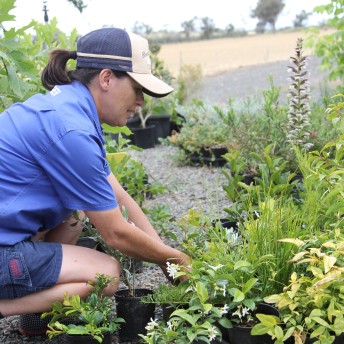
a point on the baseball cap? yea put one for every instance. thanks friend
(124, 51)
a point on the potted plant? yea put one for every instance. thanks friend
(135, 314)
(169, 298)
(311, 307)
(92, 320)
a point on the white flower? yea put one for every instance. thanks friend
(151, 325)
(212, 333)
(224, 309)
(172, 269)
(172, 324)
(245, 311)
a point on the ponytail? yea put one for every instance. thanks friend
(55, 72)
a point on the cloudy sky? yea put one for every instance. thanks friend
(156, 13)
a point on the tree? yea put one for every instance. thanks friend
(267, 12)
(188, 26)
(207, 27)
(300, 18)
(329, 47)
(79, 4)
(142, 29)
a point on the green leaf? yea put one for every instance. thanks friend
(259, 330)
(241, 264)
(249, 284)
(268, 320)
(202, 292)
(237, 294)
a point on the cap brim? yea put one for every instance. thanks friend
(151, 85)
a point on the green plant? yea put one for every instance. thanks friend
(168, 294)
(23, 55)
(132, 175)
(312, 304)
(127, 263)
(93, 316)
(329, 47)
(161, 219)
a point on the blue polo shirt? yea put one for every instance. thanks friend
(52, 161)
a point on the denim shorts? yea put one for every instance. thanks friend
(28, 267)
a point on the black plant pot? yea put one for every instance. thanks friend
(144, 137)
(86, 339)
(210, 156)
(135, 313)
(242, 334)
(225, 223)
(162, 125)
(168, 309)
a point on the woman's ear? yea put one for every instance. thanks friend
(104, 78)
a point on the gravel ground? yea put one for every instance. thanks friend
(241, 83)
(188, 187)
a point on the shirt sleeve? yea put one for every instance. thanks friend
(77, 168)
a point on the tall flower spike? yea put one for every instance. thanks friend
(299, 99)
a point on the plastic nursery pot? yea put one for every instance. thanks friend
(86, 339)
(227, 224)
(135, 313)
(168, 309)
(242, 334)
(162, 126)
(144, 137)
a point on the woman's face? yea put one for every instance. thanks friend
(118, 98)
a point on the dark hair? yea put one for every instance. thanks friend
(56, 73)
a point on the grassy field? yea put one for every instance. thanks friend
(221, 55)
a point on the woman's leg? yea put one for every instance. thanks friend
(79, 265)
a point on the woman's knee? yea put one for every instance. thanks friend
(115, 273)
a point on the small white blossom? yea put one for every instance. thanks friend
(172, 269)
(224, 309)
(212, 332)
(152, 325)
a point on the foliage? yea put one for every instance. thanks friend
(205, 128)
(267, 11)
(79, 4)
(23, 55)
(168, 295)
(312, 304)
(127, 263)
(270, 179)
(93, 316)
(329, 47)
(161, 219)
(130, 173)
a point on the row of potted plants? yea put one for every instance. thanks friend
(286, 251)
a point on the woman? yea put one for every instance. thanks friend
(52, 161)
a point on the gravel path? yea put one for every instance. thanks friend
(188, 187)
(241, 83)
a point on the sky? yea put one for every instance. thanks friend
(156, 13)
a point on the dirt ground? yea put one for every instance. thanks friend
(241, 67)
(223, 55)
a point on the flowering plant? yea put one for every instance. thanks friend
(220, 282)
(299, 107)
